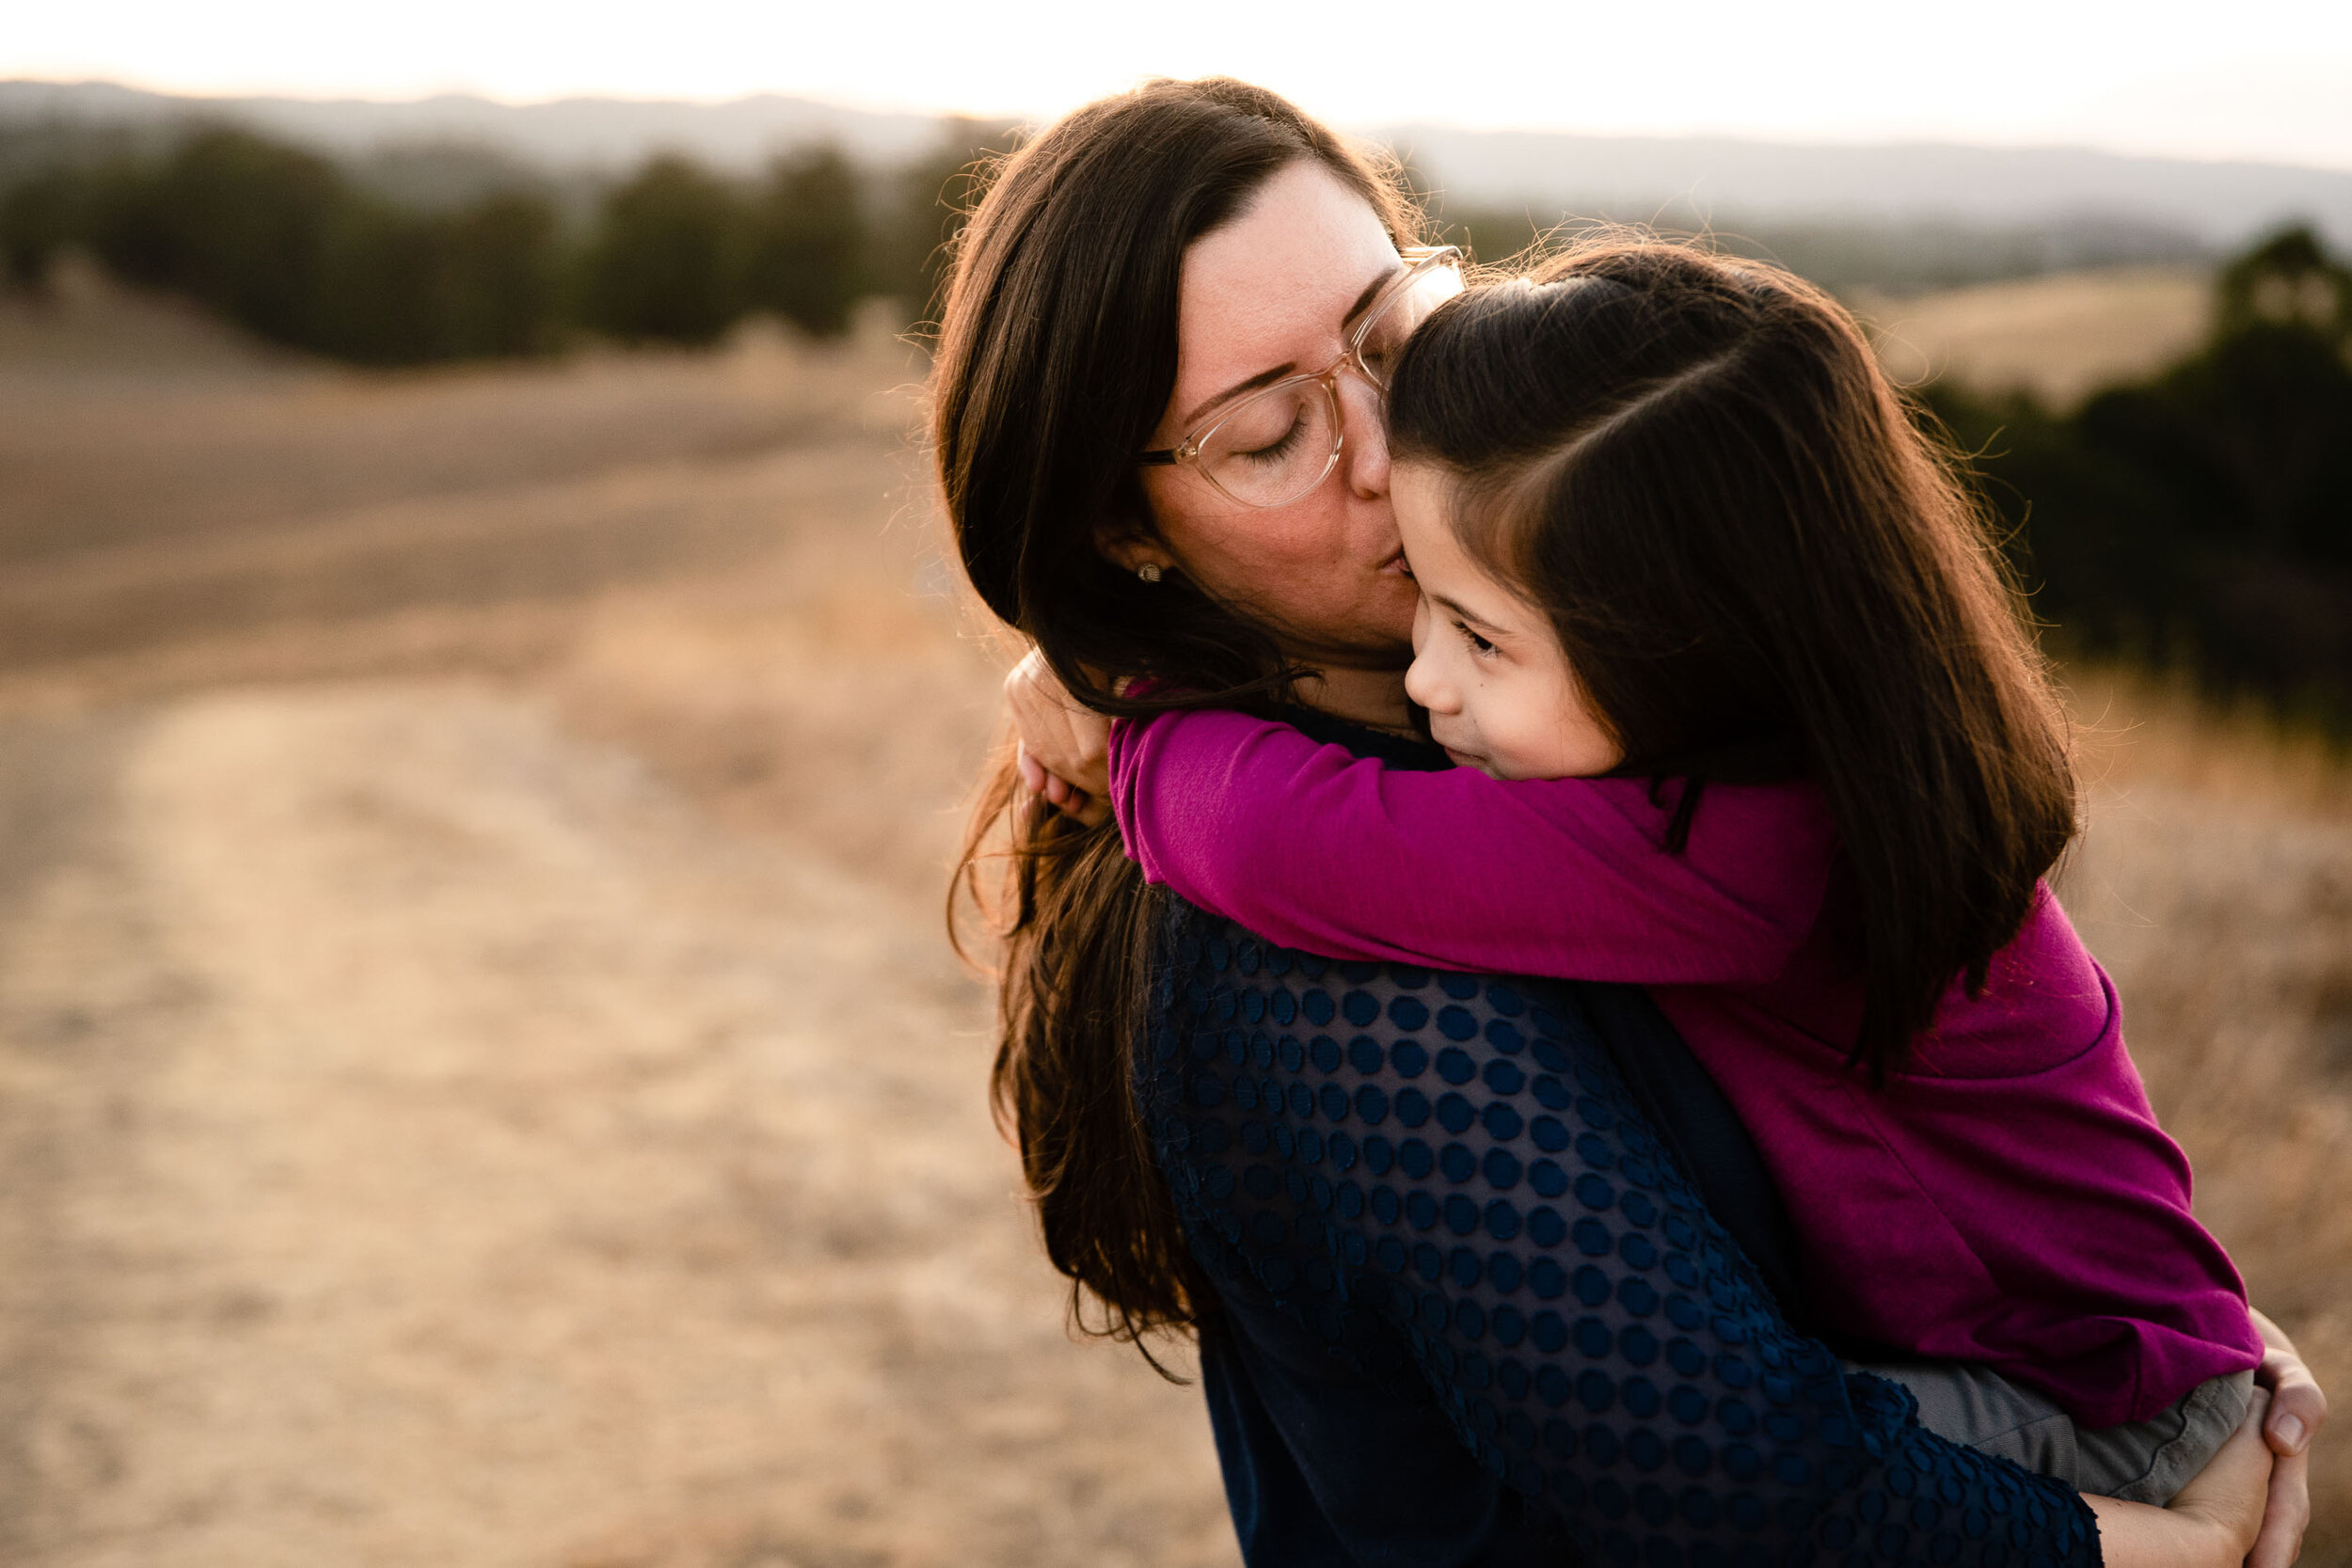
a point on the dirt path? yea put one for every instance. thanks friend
(481, 1079)
(431, 1142)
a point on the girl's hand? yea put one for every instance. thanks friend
(2298, 1410)
(2216, 1520)
(1063, 751)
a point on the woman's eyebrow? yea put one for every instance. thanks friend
(1264, 378)
(1371, 290)
(1268, 377)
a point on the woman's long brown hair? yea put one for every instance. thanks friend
(1057, 358)
(1759, 563)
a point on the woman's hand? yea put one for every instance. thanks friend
(2216, 1520)
(1063, 751)
(2298, 1410)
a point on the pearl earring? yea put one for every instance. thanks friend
(1148, 571)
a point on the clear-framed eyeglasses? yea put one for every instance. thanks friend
(1271, 445)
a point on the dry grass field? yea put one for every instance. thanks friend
(2216, 886)
(481, 1079)
(2058, 336)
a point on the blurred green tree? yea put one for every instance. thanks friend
(808, 248)
(669, 257)
(2287, 279)
(39, 217)
(500, 268)
(281, 243)
(378, 299)
(401, 287)
(236, 221)
(925, 210)
(2201, 519)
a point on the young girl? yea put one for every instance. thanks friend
(1750, 717)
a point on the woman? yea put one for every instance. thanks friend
(1151, 275)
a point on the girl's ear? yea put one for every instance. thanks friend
(1131, 546)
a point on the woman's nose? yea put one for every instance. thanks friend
(1366, 453)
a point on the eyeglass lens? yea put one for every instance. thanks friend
(1277, 446)
(1395, 316)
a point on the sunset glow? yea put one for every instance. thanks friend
(2276, 84)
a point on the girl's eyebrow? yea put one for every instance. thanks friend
(1268, 377)
(1461, 613)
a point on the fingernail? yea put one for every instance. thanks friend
(2289, 1430)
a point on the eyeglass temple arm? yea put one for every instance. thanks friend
(1156, 459)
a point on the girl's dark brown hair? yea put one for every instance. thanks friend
(1757, 564)
(1057, 358)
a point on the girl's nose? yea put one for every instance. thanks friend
(1424, 682)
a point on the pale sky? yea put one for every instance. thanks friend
(2269, 79)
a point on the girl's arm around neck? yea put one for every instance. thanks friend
(1320, 850)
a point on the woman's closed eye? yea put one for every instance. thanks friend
(1281, 447)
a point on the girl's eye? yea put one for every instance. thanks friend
(1478, 643)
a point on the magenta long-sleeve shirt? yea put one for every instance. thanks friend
(2006, 1198)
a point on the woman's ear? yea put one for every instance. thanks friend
(1132, 547)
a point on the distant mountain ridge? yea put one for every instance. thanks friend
(564, 134)
(1632, 177)
(1672, 179)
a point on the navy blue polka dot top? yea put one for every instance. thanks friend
(1475, 1312)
